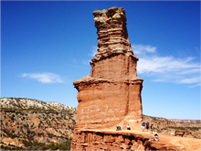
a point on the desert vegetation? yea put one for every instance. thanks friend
(35, 125)
(191, 128)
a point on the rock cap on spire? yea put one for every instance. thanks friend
(112, 34)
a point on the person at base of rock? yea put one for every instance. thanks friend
(128, 127)
(155, 138)
(118, 128)
(151, 128)
(147, 126)
(143, 125)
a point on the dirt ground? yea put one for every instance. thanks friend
(181, 143)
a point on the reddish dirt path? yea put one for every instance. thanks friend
(181, 142)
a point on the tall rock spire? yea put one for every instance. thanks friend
(112, 33)
(111, 94)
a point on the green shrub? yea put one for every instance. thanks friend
(26, 143)
(41, 134)
(178, 128)
(51, 135)
(194, 128)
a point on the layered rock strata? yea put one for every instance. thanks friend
(93, 140)
(111, 94)
(130, 140)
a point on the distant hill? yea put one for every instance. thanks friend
(188, 123)
(32, 124)
(191, 128)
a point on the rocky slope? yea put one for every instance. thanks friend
(190, 128)
(32, 124)
(187, 123)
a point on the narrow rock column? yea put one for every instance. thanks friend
(111, 94)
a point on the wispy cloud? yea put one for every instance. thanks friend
(86, 62)
(166, 68)
(44, 77)
(143, 49)
(191, 80)
(93, 51)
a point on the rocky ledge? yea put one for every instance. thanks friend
(130, 140)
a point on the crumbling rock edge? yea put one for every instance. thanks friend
(88, 80)
(109, 53)
(124, 140)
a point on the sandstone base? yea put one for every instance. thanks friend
(105, 104)
(130, 140)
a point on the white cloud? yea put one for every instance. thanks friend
(142, 49)
(191, 80)
(167, 64)
(166, 68)
(44, 77)
(93, 51)
(86, 62)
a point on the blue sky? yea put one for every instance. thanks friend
(47, 45)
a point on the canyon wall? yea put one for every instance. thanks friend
(111, 94)
(29, 124)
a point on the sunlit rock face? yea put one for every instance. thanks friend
(111, 94)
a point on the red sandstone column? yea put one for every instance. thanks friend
(111, 94)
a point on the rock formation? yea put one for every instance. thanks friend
(130, 140)
(111, 94)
